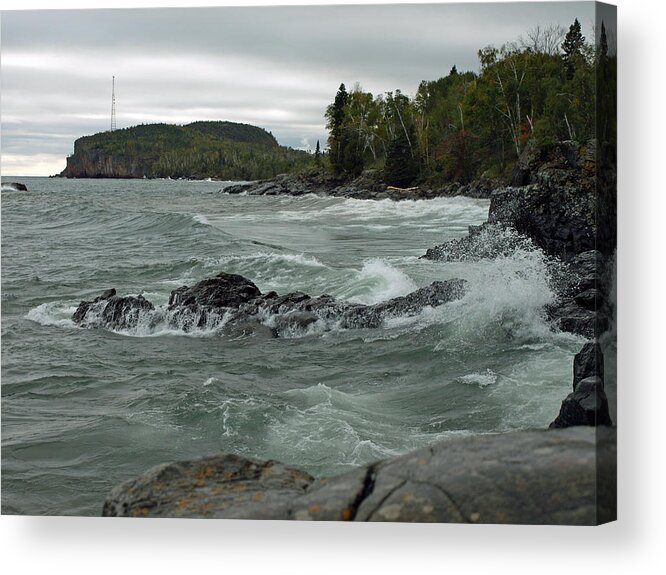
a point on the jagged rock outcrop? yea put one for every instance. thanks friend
(113, 310)
(243, 308)
(16, 186)
(552, 199)
(561, 477)
(587, 404)
(585, 309)
(588, 362)
(224, 290)
(551, 205)
(487, 241)
(98, 163)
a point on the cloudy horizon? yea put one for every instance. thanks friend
(273, 67)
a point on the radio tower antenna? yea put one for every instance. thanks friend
(113, 103)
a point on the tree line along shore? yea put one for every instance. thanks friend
(458, 129)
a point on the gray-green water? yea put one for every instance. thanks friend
(83, 409)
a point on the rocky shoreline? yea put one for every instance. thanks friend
(555, 476)
(368, 186)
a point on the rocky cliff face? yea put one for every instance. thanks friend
(96, 163)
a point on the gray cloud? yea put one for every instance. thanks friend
(276, 67)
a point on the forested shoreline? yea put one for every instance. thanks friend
(220, 150)
(461, 128)
(467, 124)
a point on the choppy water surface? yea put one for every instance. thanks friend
(83, 409)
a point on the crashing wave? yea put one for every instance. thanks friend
(488, 241)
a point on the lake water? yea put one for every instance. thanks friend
(84, 409)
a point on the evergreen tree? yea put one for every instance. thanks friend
(317, 155)
(603, 45)
(572, 48)
(402, 167)
(335, 114)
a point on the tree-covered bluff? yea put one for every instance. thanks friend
(223, 150)
(542, 88)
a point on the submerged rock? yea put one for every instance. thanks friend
(564, 477)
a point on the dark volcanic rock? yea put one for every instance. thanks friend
(558, 159)
(588, 362)
(436, 294)
(569, 316)
(560, 220)
(110, 310)
(224, 290)
(239, 302)
(367, 186)
(587, 405)
(587, 299)
(531, 477)
(585, 309)
(487, 241)
(552, 198)
(18, 186)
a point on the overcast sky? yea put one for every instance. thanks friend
(275, 67)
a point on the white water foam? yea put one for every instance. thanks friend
(505, 299)
(265, 257)
(53, 313)
(452, 208)
(377, 281)
(348, 429)
(201, 219)
(480, 379)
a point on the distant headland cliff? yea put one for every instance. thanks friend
(221, 150)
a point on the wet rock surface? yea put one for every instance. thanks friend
(238, 304)
(550, 205)
(113, 310)
(16, 186)
(585, 310)
(587, 405)
(588, 362)
(224, 290)
(561, 201)
(530, 477)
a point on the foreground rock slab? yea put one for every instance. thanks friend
(564, 477)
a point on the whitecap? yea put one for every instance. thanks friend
(53, 313)
(201, 219)
(481, 379)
